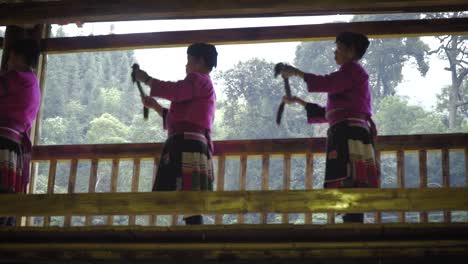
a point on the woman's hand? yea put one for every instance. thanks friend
(142, 76)
(290, 71)
(149, 102)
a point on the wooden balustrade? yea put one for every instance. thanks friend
(309, 151)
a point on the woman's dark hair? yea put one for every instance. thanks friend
(206, 51)
(29, 49)
(359, 42)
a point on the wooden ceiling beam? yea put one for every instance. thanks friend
(68, 11)
(379, 29)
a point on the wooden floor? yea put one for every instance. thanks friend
(390, 243)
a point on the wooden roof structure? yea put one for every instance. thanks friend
(65, 11)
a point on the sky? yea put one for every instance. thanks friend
(169, 63)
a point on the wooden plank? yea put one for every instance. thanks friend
(378, 214)
(336, 200)
(134, 187)
(446, 178)
(242, 181)
(238, 233)
(286, 181)
(41, 75)
(153, 218)
(248, 147)
(401, 178)
(113, 185)
(466, 167)
(92, 184)
(51, 178)
(265, 178)
(309, 181)
(51, 184)
(220, 182)
(348, 252)
(423, 179)
(71, 186)
(374, 29)
(59, 12)
(31, 188)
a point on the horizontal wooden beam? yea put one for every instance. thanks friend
(237, 233)
(339, 200)
(347, 243)
(376, 29)
(246, 147)
(30, 12)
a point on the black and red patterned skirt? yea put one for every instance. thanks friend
(351, 161)
(11, 172)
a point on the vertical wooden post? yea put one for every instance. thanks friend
(50, 185)
(114, 182)
(153, 218)
(286, 181)
(242, 181)
(220, 183)
(41, 74)
(466, 167)
(265, 176)
(423, 179)
(134, 188)
(92, 184)
(446, 178)
(378, 214)
(71, 186)
(309, 181)
(401, 178)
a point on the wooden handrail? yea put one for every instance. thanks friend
(247, 147)
(309, 150)
(329, 200)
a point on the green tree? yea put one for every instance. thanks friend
(453, 49)
(411, 119)
(107, 129)
(252, 98)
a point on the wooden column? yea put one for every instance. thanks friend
(242, 181)
(220, 183)
(309, 181)
(423, 179)
(446, 178)
(401, 178)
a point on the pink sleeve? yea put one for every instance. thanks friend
(333, 83)
(315, 113)
(179, 91)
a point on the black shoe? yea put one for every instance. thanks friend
(194, 220)
(353, 218)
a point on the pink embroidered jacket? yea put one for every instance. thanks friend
(192, 101)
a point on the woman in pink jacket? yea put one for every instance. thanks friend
(351, 159)
(186, 161)
(20, 98)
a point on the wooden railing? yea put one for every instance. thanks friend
(251, 165)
